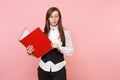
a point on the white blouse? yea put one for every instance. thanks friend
(67, 49)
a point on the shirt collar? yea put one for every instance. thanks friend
(53, 27)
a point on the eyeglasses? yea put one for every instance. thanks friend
(53, 16)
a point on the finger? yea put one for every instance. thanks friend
(53, 46)
(52, 43)
(29, 52)
(28, 47)
(31, 47)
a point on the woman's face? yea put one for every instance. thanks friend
(54, 18)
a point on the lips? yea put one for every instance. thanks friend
(54, 22)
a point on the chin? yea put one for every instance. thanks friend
(54, 24)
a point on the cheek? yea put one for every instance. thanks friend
(50, 20)
(57, 19)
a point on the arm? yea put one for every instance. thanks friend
(68, 48)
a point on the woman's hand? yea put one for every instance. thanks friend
(30, 49)
(54, 45)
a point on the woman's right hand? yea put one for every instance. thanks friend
(30, 49)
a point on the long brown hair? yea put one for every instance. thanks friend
(47, 24)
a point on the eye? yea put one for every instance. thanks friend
(51, 16)
(56, 16)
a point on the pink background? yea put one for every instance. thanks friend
(95, 30)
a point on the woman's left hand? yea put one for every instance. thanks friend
(54, 45)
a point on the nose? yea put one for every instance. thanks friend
(54, 19)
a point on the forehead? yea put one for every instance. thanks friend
(54, 13)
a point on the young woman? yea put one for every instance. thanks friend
(52, 64)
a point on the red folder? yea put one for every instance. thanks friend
(39, 40)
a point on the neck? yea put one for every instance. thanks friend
(53, 26)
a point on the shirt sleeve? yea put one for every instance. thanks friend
(68, 48)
